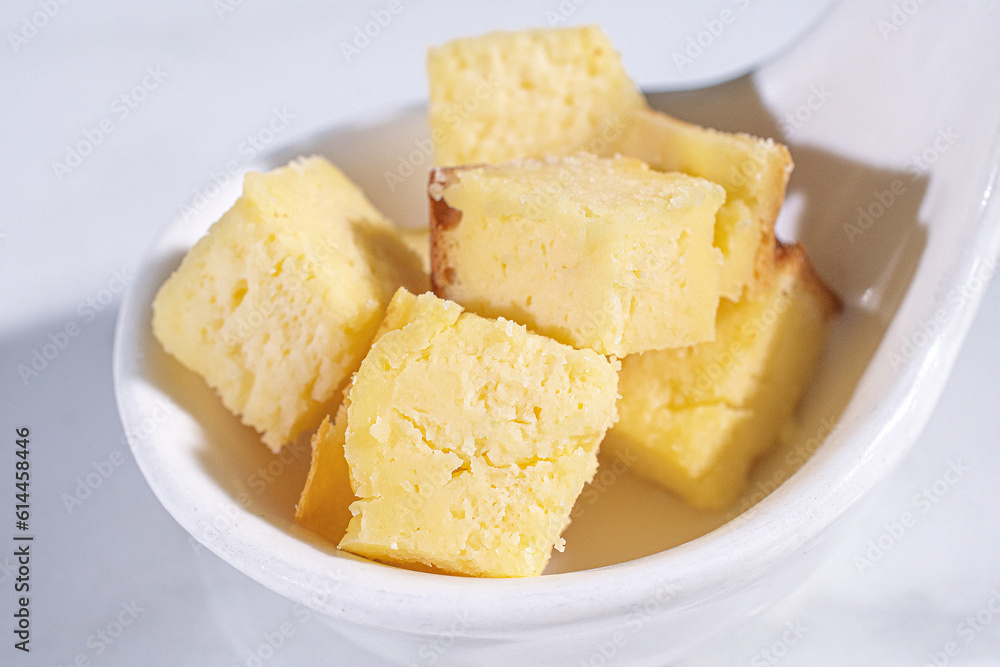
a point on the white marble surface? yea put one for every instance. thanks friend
(114, 579)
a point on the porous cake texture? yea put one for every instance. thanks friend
(278, 303)
(694, 419)
(468, 440)
(600, 253)
(529, 93)
(536, 93)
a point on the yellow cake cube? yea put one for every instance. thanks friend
(468, 440)
(276, 306)
(694, 419)
(530, 93)
(753, 171)
(602, 253)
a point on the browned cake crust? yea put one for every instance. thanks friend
(441, 219)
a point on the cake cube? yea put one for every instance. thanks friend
(324, 505)
(600, 253)
(530, 93)
(753, 171)
(276, 306)
(694, 419)
(468, 440)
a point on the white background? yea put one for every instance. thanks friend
(69, 239)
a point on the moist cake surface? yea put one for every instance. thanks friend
(277, 304)
(600, 253)
(530, 93)
(469, 439)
